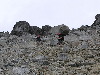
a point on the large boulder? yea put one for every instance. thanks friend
(1, 34)
(35, 30)
(45, 30)
(20, 28)
(83, 28)
(4, 34)
(60, 29)
(97, 21)
(64, 29)
(38, 31)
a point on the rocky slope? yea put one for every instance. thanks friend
(79, 55)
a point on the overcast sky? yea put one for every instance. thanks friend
(72, 13)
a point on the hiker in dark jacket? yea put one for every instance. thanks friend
(38, 38)
(60, 38)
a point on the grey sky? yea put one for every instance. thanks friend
(72, 13)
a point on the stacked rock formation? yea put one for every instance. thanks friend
(79, 55)
(35, 30)
(20, 28)
(60, 29)
(24, 28)
(46, 29)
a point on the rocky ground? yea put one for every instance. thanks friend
(79, 54)
(22, 56)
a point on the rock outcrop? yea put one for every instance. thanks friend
(35, 30)
(1, 34)
(40, 31)
(83, 28)
(4, 34)
(60, 29)
(24, 28)
(21, 28)
(97, 21)
(46, 29)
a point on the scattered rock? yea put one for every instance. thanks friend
(20, 71)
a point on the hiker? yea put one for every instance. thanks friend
(60, 38)
(38, 40)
